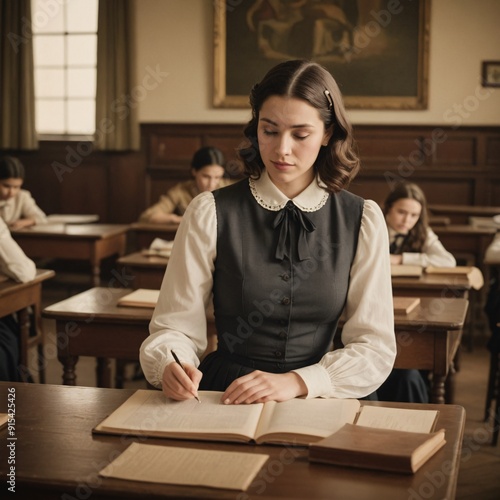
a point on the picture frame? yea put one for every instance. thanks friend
(379, 57)
(490, 74)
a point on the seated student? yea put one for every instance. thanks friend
(17, 207)
(412, 241)
(16, 265)
(207, 168)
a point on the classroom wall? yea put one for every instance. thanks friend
(177, 37)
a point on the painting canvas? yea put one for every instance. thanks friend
(377, 50)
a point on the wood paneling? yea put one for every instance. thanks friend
(453, 165)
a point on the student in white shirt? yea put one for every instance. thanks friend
(16, 265)
(17, 207)
(412, 241)
(284, 253)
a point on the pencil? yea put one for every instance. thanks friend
(180, 364)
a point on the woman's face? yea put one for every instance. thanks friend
(208, 178)
(403, 215)
(290, 134)
(9, 188)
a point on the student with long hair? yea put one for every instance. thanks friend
(283, 253)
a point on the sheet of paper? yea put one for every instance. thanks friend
(185, 466)
(397, 419)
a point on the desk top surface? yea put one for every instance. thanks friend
(9, 286)
(72, 231)
(57, 453)
(464, 230)
(433, 282)
(149, 226)
(141, 260)
(464, 209)
(100, 304)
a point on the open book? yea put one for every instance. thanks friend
(293, 422)
(406, 271)
(473, 274)
(405, 305)
(142, 297)
(390, 439)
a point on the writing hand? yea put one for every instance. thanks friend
(181, 382)
(260, 387)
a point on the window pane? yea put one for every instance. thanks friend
(81, 15)
(50, 116)
(47, 16)
(81, 82)
(81, 116)
(49, 82)
(82, 50)
(48, 50)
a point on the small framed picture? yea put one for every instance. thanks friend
(491, 74)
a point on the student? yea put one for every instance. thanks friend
(207, 169)
(17, 207)
(283, 252)
(412, 241)
(15, 265)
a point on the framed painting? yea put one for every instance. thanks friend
(377, 50)
(490, 74)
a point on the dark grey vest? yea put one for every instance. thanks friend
(279, 291)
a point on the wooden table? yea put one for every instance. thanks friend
(431, 285)
(92, 242)
(428, 337)
(143, 271)
(18, 298)
(57, 456)
(145, 233)
(459, 214)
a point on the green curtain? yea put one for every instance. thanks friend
(116, 103)
(17, 89)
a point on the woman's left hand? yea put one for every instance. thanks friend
(259, 387)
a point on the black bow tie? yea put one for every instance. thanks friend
(288, 215)
(396, 245)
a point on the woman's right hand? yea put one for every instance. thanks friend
(179, 384)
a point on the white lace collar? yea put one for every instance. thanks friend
(268, 196)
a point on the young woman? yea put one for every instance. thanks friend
(17, 207)
(412, 241)
(207, 169)
(15, 265)
(283, 253)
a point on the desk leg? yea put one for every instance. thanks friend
(103, 372)
(438, 389)
(69, 363)
(96, 274)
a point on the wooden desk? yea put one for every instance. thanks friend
(144, 271)
(466, 239)
(92, 242)
(428, 337)
(431, 285)
(58, 457)
(18, 298)
(459, 214)
(145, 233)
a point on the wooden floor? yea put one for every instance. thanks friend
(479, 477)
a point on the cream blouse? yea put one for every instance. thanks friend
(179, 319)
(22, 206)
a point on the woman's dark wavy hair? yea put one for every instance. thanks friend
(11, 168)
(337, 163)
(418, 233)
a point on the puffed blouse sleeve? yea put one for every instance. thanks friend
(369, 351)
(179, 320)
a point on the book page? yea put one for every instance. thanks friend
(313, 417)
(397, 419)
(406, 270)
(152, 413)
(175, 465)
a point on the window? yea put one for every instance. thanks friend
(65, 57)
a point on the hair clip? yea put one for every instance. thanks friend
(329, 99)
